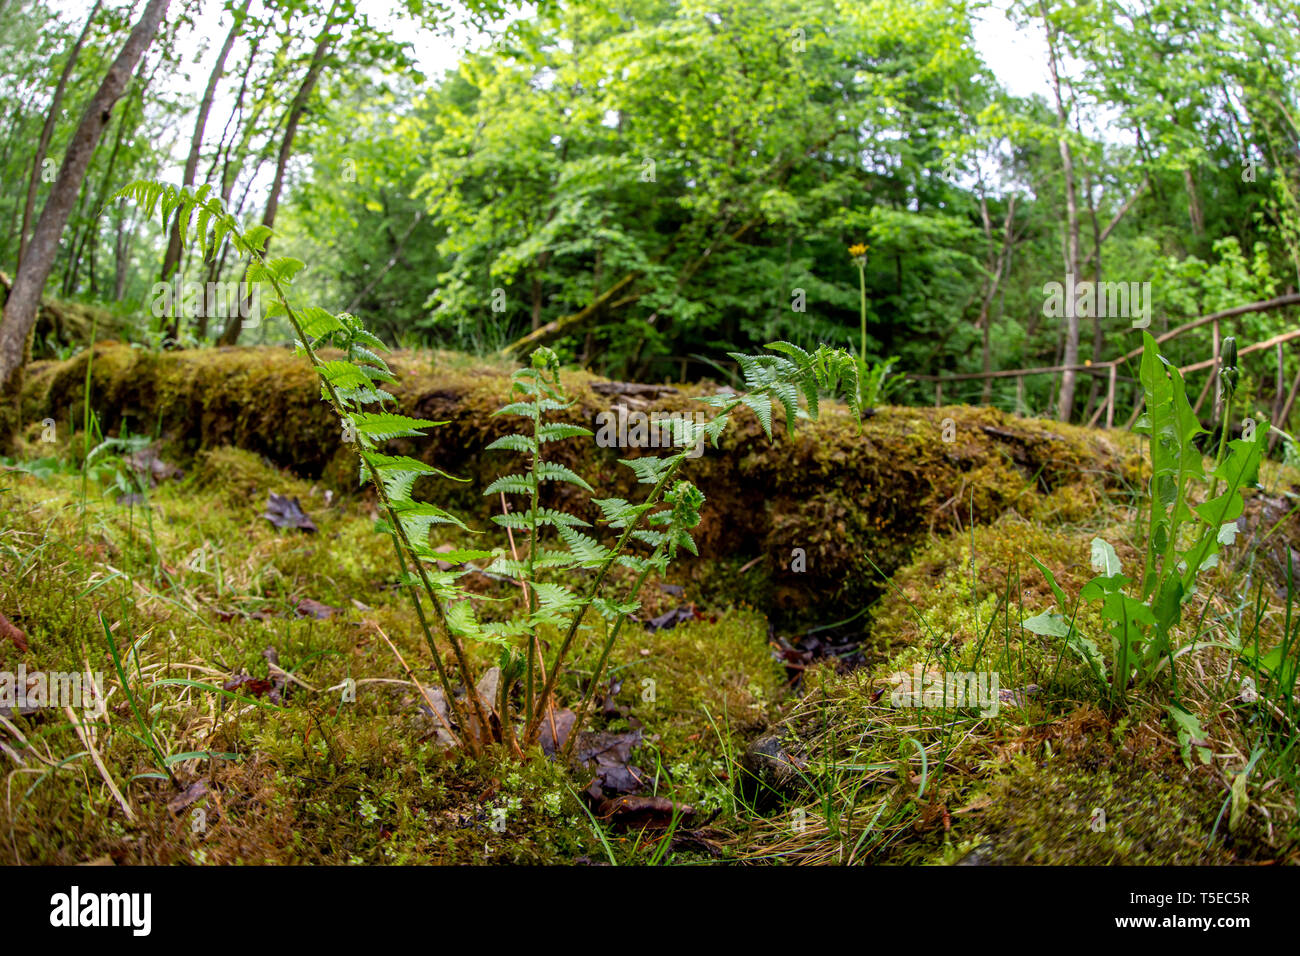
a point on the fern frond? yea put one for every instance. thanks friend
(587, 550)
(381, 426)
(512, 485)
(556, 431)
(524, 520)
(648, 470)
(553, 471)
(520, 443)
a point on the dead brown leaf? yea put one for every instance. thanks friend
(13, 633)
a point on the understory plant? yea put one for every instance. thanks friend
(1190, 516)
(556, 543)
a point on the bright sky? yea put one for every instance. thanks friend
(1018, 58)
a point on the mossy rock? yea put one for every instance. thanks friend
(941, 595)
(857, 499)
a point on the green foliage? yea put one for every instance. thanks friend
(1191, 517)
(353, 386)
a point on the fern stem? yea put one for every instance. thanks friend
(399, 532)
(604, 655)
(534, 725)
(438, 664)
(530, 593)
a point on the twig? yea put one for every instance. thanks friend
(411, 676)
(103, 771)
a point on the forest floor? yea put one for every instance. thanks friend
(259, 708)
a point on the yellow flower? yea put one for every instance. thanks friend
(857, 250)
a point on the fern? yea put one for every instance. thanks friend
(353, 388)
(548, 604)
(784, 377)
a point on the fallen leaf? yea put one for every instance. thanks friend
(670, 619)
(564, 721)
(643, 811)
(287, 513)
(146, 462)
(252, 687)
(14, 633)
(193, 792)
(611, 755)
(315, 609)
(439, 701)
(486, 690)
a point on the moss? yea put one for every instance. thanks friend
(854, 499)
(944, 596)
(1065, 813)
(241, 477)
(317, 779)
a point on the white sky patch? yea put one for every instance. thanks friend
(1017, 57)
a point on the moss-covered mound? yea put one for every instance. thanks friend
(851, 497)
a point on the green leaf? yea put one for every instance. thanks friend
(519, 443)
(384, 425)
(512, 484)
(648, 470)
(557, 431)
(1051, 582)
(316, 322)
(553, 471)
(1104, 559)
(1047, 624)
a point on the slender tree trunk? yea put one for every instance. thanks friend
(996, 268)
(89, 232)
(230, 334)
(1193, 203)
(122, 250)
(29, 280)
(172, 257)
(47, 133)
(1098, 333)
(1070, 355)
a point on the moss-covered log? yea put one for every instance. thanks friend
(849, 496)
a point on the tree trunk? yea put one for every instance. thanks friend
(1193, 204)
(122, 251)
(1070, 355)
(172, 257)
(1098, 332)
(230, 334)
(996, 268)
(29, 280)
(47, 133)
